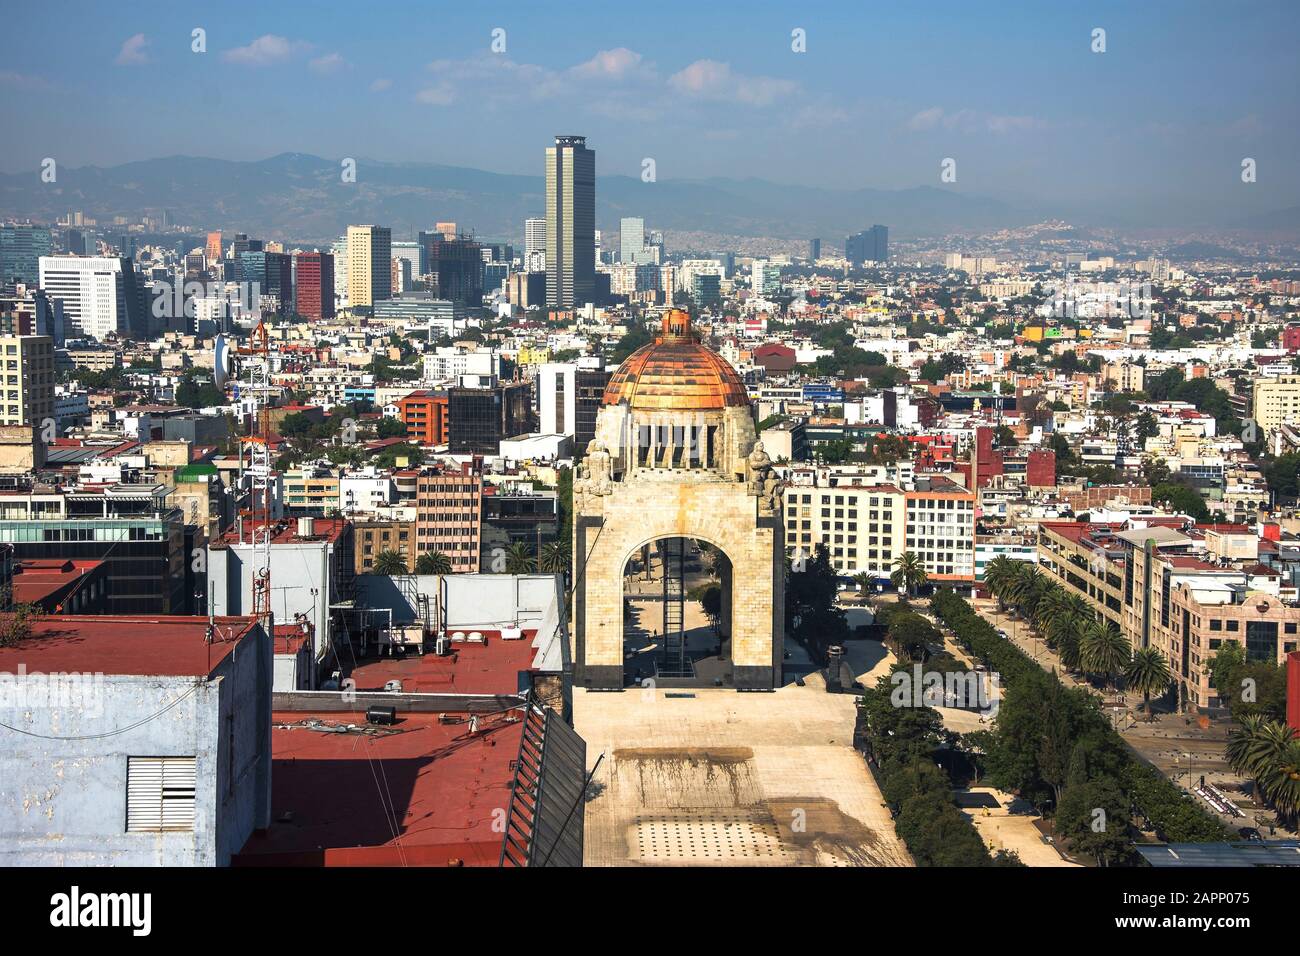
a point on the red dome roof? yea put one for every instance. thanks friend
(676, 373)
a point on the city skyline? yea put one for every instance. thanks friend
(1160, 120)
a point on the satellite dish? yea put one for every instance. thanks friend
(220, 361)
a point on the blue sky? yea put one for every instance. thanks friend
(883, 94)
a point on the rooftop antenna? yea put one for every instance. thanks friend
(255, 467)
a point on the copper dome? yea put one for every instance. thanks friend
(676, 373)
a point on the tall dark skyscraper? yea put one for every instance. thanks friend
(570, 223)
(870, 245)
(814, 249)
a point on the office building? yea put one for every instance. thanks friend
(369, 265)
(534, 245)
(479, 417)
(569, 396)
(21, 249)
(101, 295)
(131, 528)
(870, 245)
(454, 268)
(814, 250)
(314, 285)
(631, 239)
(449, 513)
(570, 223)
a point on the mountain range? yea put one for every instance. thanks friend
(303, 199)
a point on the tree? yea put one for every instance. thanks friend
(1104, 651)
(519, 559)
(1181, 498)
(1266, 751)
(1094, 818)
(433, 562)
(811, 615)
(390, 428)
(555, 558)
(1148, 673)
(997, 576)
(16, 623)
(909, 573)
(390, 563)
(910, 633)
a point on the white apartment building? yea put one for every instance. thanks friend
(866, 524)
(96, 292)
(448, 363)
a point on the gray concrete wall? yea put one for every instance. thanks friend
(295, 570)
(63, 799)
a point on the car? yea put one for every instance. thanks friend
(1250, 833)
(1001, 633)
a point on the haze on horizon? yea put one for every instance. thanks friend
(1013, 92)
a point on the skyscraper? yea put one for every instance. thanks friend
(814, 249)
(453, 268)
(534, 245)
(21, 248)
(370, 275)
(314, 285)
(213, 248)
(631, 239)
(570, 223)
(870, 245)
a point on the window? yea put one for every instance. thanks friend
(159, 794)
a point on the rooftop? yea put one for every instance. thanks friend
(123, 645)
(424, 791)
(285, 531)
(489, 668)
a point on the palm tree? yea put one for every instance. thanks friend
(1282, 781)
(1248, 752)
(908, 573)
(1068, 626)
(433, 562)
(997, 575)
(864, 581)
(554, 558)
(518, 559)
(1148, 672)
(389, 563)
(1103, 650)
(1049, 613)
(1266, 751)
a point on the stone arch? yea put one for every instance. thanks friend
(719, 512)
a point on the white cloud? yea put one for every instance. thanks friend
(926, 119)
(441, 95)
(379, 85)
(132, 52)
(613, 64)
(265, 50)
(22, 81)
(713, 80)
(329, 63)
(971, 121)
